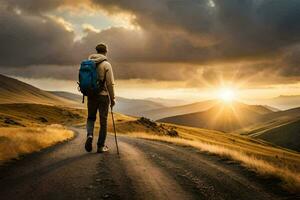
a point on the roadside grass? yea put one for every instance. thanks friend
(15, 141)
(264, 158)
(285, 170)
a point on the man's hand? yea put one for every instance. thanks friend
(112, 103)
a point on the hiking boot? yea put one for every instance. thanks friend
(102, 149)
(89, 144)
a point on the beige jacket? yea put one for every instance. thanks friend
(105, 66)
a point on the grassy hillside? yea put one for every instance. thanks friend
(68, 95)
(26, 115)
(14, 91)
(222, 117)
(281, 128)
(271, 121)
(287, 135)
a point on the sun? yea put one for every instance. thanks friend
(227, 94)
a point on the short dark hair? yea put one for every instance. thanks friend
(101, 48)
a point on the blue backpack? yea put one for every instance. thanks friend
(89, 83)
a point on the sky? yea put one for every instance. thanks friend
(183, 49)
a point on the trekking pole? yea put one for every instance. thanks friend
(113, 120)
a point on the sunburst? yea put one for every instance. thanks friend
(227, 94)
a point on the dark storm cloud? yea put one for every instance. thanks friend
(196, 32)
(239, 28)
(141, 46)
(38, 7)
(29, 40)
(290, 63)
(32, 6)
(44, 71)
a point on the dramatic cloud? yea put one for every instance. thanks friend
(29, 40)
(290, 63)
(235, 28)
(173, 39)
(40, 6)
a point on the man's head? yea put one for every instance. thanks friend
(101, 49)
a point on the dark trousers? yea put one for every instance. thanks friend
(101, 103)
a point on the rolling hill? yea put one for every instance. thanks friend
(28, 115)
(271, 120)
(222, 117)
(161, 113)
(286, 114)
(281, 128)
(286, 135)
(14, 91)
(274, 109)
(67, 95)
(134, 107)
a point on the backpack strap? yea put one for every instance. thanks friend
(102, 82)
(104, 79)
(97, 64)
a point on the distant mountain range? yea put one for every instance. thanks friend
(160, 113)
(221, 116)
(133, 107)
(169, 102)
(15, 91)
(283, 102)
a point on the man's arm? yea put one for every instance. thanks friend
(110, 81)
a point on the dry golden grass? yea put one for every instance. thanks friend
(264, 158)
(287, 171)
(30, 114)
(18, 141)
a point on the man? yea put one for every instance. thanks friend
(101, 101)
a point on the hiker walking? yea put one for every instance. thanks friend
(99, 97)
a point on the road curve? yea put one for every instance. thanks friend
(145, 170)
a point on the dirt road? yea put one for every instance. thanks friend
(145, 170)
